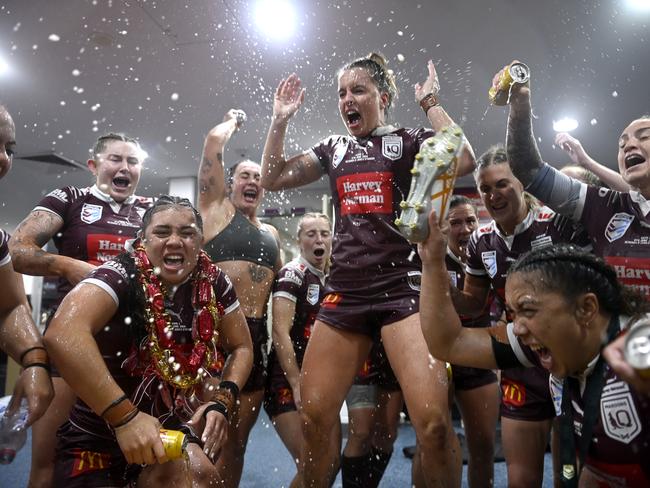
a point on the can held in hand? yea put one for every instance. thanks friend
(637, 347)
(175, 443)
(515, 73)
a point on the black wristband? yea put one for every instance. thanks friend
(114, 403)
(217, 406)
(26, 351)
(45, 366)
(231, 386)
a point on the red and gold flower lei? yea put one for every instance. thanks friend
(169, 361)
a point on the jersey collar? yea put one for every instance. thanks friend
(641, 201)
(451, 254)
(377, 131)
(519, 228)
(105, 197)
(312, 268)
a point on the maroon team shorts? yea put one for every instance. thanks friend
(525, 394)
(278, 395)
(362, 314)
(466, 378)
(85, 460)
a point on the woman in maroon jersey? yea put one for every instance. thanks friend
(373, 286)
(518, 226)
(164, 305)
(19, 336)
(89, 226)
(566, 304)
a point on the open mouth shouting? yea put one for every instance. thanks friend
(174, 262)
(250, 195)
(121, 183)
(319, 252)
(353, 119)
(634, 159)
(545, 358)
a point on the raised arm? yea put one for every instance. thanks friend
(28, 257)
(523, 154)
(446, 338)
(579, 156)
(426, 94)
(71, 343)
(212, 184)
(279, 173)
(22, 341)
(284, 310)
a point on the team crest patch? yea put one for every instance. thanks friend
(620, 418)
(391, 147)
(91, 213)
(341, 149)
(618, 225)
(489, 259)
(312, 294)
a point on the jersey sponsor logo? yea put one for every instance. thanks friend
(59, 195)
(634, 272)
(104, 247)
(365, 193)
(489, 259)
(313, 292)
(86, 461)
(391, 147)
(117, 267)
(541, 241)
(340, 151)
(618, 225)
(618, 413)
(514, 393)
(414, 280)
(331, 300)
(292, 277)
(91, 213)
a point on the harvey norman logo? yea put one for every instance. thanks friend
(634, 272)
(364, 193)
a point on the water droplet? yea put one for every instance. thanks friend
(54, 38)
(174, 96)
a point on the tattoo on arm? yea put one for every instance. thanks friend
(523, 154)
(299, 170)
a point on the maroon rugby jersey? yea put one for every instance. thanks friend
(303, 284)
(619, 226)
(95, 226)
(456, 270)
(490, 254)
(115, 342)
(4, 248)
(620, 448)
(369, 177)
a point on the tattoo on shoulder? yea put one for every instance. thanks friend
(206, 165)
(258, 273)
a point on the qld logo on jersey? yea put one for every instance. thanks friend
(489, 259)
(618, 413)
(313, 292)
(391, 147)
(618, 225)
(91, 213)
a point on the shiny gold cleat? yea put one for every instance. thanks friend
(432, 184)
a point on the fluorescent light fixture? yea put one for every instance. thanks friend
(565, 124)
(639, 4)
(276, 19)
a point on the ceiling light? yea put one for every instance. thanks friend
(565, 124)
(639, 4)
(275, 18)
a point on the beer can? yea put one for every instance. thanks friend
(515, 73)
(175, 443)
(637, 347)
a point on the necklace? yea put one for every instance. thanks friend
(167, 357)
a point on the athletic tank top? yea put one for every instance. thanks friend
(243, 241)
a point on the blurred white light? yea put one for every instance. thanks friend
(275, 18)
(565, 124)
(639, 4)
(4, 67)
